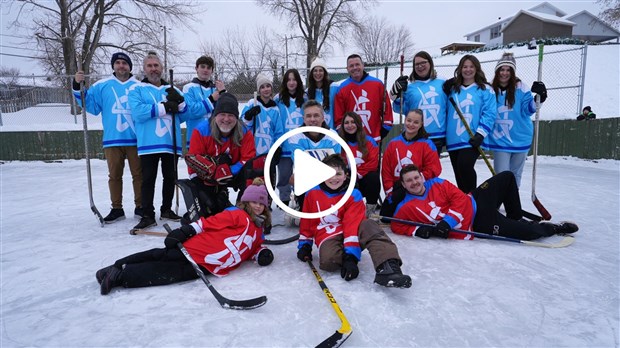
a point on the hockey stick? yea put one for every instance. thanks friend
(266, 241)
(383, 107)
(345, 330)
(402, 101)
(543, 211)
(566, 241)
(174, 147)
(87, 154)
(529, 215)
(224, 302)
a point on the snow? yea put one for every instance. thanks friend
(478, 293)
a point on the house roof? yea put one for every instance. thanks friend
(595, 18)
(542, 4)
(499, 22)
(540, 16)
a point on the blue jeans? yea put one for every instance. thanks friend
(511, 161)
(285, 170)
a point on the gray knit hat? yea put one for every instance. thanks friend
(507, 60)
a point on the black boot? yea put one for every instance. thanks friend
(110, 279)
(102, 272)
(390, 275)
(116, 214)
(564, 227)
(169, 215)
(145, 222)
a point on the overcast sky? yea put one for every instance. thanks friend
(432, 23)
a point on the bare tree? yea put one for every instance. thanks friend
(320, 21)
(9, 76)
(611, 12)
(382, 43)
(74, 33)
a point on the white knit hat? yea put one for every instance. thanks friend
(262, 79)
(507, 60)
(318, 62)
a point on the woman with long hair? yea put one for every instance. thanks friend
(366, 152)
(319, 89)
(476, 100)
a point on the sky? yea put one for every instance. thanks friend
(433, 24)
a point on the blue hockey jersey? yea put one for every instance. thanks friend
(199, 106)
(429, 97)
(479, 109)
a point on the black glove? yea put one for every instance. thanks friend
(441, 230)
(305, 253)
(383, 133)
(349, 268)
(265, 257)
(399, 86)
(174, 95)
(223, 159)
(539, 88)
(253, 112)
(179, 235)
(424, 232)
(447, 86)
(476, 140)
(171, 106)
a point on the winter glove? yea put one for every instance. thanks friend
(223, 159)
(539, 88)
(384, 132)
(447, 86)
(253, 112)
(476, 140)
(441, 230)
(424, 232)
(179, 235)
(399, 86)
(223, 174)
(265, 257)
(349, 270)
(305, 252)
(171, 106)
(174, 95)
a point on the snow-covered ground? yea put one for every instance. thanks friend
(478, 293)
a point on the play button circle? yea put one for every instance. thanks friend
(309, 172)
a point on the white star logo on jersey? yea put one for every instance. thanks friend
(402, 161)
(235, 246)
(163, 125)
(121, 110)
(294, 119)
(329, 222)
(427, 104)
(358, 158)
(503, 125)
(360, 109)
(464, 106)
(262, 134)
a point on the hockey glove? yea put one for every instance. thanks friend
(265, 257)
(349, 270)
(399, 86)
(223, 174)
(252, 112)
(305, 252)
(179, 235)
(441, 230)
(539, 88)
(384, 132)
(171, 106)
(448, 86)
(174, 95)
(476, 140)
(424, 232)
(204, 166)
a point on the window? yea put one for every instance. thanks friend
(477, 38)
(495, 31)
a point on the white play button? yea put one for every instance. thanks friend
(309, 172)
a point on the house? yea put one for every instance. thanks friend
(460, 46)
(544, 20)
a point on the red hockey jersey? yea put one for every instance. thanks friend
(224, 241)
(364, 164)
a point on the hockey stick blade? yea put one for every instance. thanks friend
(98, 215)
(335, 340)
(135, 232)
(224, 302)
(541, 209)
(281, 241)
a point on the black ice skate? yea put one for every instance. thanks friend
(390, 275)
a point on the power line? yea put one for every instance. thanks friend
(19, 55)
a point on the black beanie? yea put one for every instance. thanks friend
(123, 56)
(227, 103)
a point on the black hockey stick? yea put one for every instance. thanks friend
(266, 241)
(281, 241)
(345, 330)
(224, 302)
(566, 241)
(174, 146)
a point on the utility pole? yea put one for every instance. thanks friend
(165, 50)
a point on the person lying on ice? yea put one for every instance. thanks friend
(343, 235)
(439, 202)
(207, 240)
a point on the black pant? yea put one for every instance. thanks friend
(155, 267)
(149, 175)
(370, 186)
(463, 162)
(490, 195)
(439, 144)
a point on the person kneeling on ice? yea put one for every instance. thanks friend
(441, 203)
(218, 244)
(343, 235)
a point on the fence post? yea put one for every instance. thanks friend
(582, 77)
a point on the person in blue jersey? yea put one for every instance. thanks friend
(512, 134)
(320, 88)
(201, 94)
(476, 100)
(153, 102)
(424, 92)
(108, 98)
(289, 101)
(315, 144)
(343, 235)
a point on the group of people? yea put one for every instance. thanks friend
(227, 149)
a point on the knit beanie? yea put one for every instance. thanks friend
(318, 62)
(262, 79)
(507, 60)
(255, 193)
(123, 56)
(227, 103)
(588, 108)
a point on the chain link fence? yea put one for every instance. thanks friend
(31, 103)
